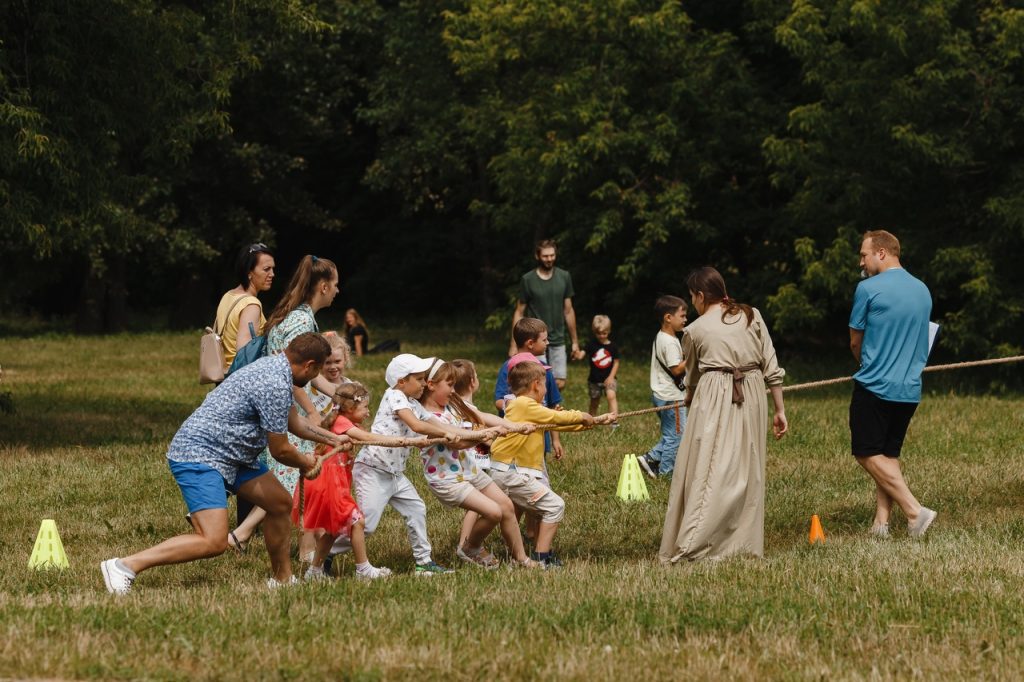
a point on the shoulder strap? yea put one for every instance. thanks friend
(228, 316)
(671, 376)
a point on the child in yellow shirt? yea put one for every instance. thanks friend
(517, 460)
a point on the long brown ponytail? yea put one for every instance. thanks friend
(308, 275)
(708, 281)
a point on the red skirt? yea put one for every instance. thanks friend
(329, 502)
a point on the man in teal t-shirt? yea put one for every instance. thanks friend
(546, 293)
(889, 338)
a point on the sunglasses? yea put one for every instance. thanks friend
(253, 248)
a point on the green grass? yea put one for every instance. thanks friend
(86, 447)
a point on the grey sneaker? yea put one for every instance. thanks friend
(431, 568)
(649, 466)
(924, 519)
(880, 531)
(118, 580)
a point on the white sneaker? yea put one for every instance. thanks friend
(315, 574)
(880, 531)
(649, 466)
(924, 519)
(118, 580)
(273, 583)
(374, 573)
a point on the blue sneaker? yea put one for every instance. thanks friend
(431, 568)
(548, 560)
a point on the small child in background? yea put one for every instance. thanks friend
(517, 461)
(667, 369)
(456, 479)
(379, 471)
(329, 506)
(604, 365)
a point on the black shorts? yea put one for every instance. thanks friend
(877, 426)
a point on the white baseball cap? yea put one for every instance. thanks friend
(403, 365)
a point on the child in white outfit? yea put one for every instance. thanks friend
(378, 475)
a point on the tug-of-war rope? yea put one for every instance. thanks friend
(426, 442)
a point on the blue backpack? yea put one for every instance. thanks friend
(249, 353)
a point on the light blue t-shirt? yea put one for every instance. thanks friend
(229, 430)
(892, 309)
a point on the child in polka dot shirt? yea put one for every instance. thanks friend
(456, 478)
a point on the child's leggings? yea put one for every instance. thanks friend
(375, 489)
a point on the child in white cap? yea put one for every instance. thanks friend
(378, 474)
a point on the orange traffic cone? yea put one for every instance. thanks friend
(816, 534)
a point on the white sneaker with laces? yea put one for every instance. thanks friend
(273, 583)
(924, 519)
(646, 465)
(315, 574)
(374, 573)
(118, 581)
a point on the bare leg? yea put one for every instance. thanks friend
(594, 404)
(467, 526)
(209, 540)
(889, 478)
(545, 536)
(883, 507)
(323, 548)
(267, 493)
(307, 544)
(246, 529)
(509, 523)
(613, 401)
(359, 542)
(489, 515)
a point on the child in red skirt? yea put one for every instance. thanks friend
(329, 505)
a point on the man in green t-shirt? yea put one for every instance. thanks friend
(546, 293)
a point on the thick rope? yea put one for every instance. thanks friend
(841, 380)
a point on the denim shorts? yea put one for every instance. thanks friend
(203, 487)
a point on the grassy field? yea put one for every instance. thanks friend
(86, 448)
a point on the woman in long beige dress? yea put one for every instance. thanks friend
(716, 503)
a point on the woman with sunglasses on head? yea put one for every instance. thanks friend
(240, 307)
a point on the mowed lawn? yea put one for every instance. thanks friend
(87, 446)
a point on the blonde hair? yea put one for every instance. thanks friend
(346, 399)
(358, 319)
(338, 342)
(601, 324)
(522, 376)
(883, 239)
(446, 372)
(463, 372)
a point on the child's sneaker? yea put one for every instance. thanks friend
(481, 558)
(118, 580)
(431, 568)
(315, 574)
(547, 560)
(373, 573)
(649, 466)
(273, 583)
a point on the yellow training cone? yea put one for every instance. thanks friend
(631, 481)
(816, 534)
(49, 550)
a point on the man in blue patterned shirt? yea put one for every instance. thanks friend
(217, 448)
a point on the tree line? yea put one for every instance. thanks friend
(426, 145)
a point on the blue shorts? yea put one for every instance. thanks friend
(203, 487)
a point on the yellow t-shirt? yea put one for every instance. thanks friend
(229, 328)
(528, 451)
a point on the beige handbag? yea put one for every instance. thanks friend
(211, 350)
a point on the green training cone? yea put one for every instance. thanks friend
(49, 550)
(631, 481)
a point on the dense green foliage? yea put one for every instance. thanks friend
(142, 141)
